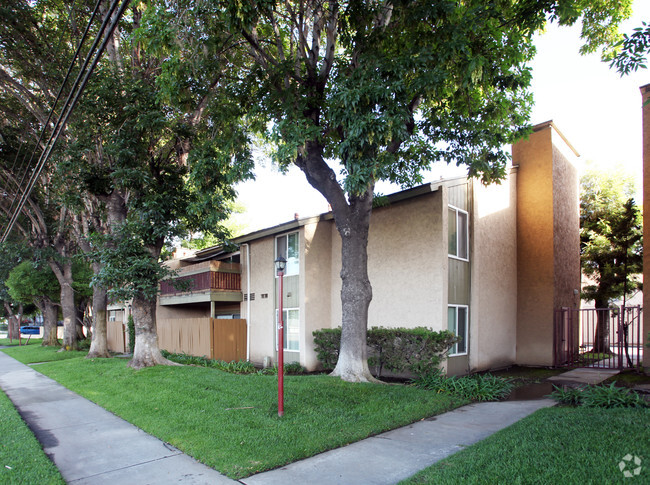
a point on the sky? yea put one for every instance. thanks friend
(596, 109)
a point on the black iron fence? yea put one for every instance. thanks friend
(610, 338)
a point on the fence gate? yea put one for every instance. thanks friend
(608, 338)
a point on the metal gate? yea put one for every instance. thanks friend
(609, 338)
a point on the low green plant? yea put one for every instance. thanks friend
(327, 342)
(600, 397)
(476, 387)
(294, 369)
(417, 350)
(234, 367)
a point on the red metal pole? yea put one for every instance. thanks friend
(280, 350)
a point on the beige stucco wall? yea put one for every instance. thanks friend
(262, 309)
(493, 309)
(406, 265)
(317, 287)
(548, 264)
(566, 226)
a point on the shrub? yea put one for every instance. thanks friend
(234, 367)
(476, 387)
(600, 397)
(417, 350)
(294, 369)
(327, 343)
(130, 324)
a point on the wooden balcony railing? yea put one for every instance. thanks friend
(205, 277)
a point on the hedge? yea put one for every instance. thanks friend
(417, 350)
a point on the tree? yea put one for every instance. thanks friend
(163, 148)
(385, 88)
(633, 50)
(31, 283)
(611, 245)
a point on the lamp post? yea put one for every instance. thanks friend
(280, 265)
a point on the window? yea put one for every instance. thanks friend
(287, 247)
(112, 315)
(458, 233)
(291, 328)
(457, 323)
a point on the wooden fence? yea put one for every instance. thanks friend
(228, 339)
(223, 339)
(204, 337)
(117, 337)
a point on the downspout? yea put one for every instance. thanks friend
(248, 301)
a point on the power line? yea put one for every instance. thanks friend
(60, 92)
(69, 106)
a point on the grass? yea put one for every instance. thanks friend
(21, 457)
(629, 378)
(14, 342)
(521, 376)
(230, 422)
(553, 445)
(36, 353)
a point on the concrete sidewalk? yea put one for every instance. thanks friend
(90, 445)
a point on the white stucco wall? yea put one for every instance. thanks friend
(493, 311)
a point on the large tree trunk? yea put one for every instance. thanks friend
(99, 343)
(50, 313)
(601, 337)
(356, 291)
(146, 352)
(352, 219)
(63, 273)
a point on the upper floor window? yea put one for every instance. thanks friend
(458, 233)
(287, 247)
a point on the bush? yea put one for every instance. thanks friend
(130, 324)
(327, 343)
(477, 387)
(417, 350)
(600, 397)
(234, 367)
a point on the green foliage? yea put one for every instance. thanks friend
(23, 459)
(632, 51)
(234, 367)
(417, 350)
(130, 326)
(29, 281)
(327, 343)
(600, 397)
(475, 387)
(611, 244)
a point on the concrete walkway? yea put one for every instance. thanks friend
(90, 445)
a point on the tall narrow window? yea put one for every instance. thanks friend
(287, 246)
(458, 233)
(457, 323)
(291, 328)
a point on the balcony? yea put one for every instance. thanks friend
(203, 282)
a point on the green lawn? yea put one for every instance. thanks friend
(22, 460)
(559, 445)
(230, 422)
(36, 353)
(14, 342)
